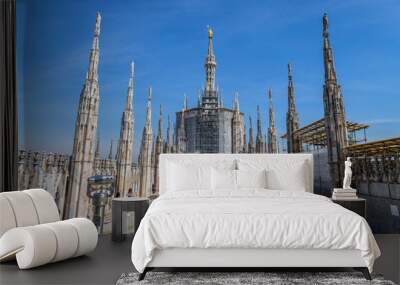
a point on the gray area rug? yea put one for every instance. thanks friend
(229, 278)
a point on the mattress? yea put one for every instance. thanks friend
(250, 219)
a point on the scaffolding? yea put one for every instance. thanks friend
(314, 134)
(381, 147)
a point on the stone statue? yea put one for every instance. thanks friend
(347, 174)
(325, 24)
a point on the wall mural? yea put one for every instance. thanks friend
(83, 182)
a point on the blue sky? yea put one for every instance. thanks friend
(253, 42)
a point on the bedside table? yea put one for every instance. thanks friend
(358, 206)
(127, 213)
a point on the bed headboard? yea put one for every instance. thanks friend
(256, 160)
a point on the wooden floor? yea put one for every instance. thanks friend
(110, 260)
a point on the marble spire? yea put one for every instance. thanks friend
(292, 118)
(158, 149)
(272, 140)
(259, 135)
(125, 143)
(334, 112)
(145, 163)
(85, 134)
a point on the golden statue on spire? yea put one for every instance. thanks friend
(210, 32)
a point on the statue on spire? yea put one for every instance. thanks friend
(98, 21)
(325, 25)
(210, 32)
(132, 68)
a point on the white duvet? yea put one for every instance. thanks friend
(250, 219)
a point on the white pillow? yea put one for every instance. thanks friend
(295, 179)
(256, 178)
(185, 177)
(224, 179)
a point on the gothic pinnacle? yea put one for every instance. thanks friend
(272, 140)
(271, 110)
(185, 104)
(85, 133)
(97, 153)
(148, 111)
(130, 87)
(292, 119)
(251, 143)
(111, 150)
(334, 113)
(291, 105)
(198, 99)
(160, 123)
(236, 102)
(167, 139)
(330, 73)
(94, 53)
(96, 34)
(210, 64)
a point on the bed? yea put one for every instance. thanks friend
(247, 210)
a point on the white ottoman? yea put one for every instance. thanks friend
(31, 232)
